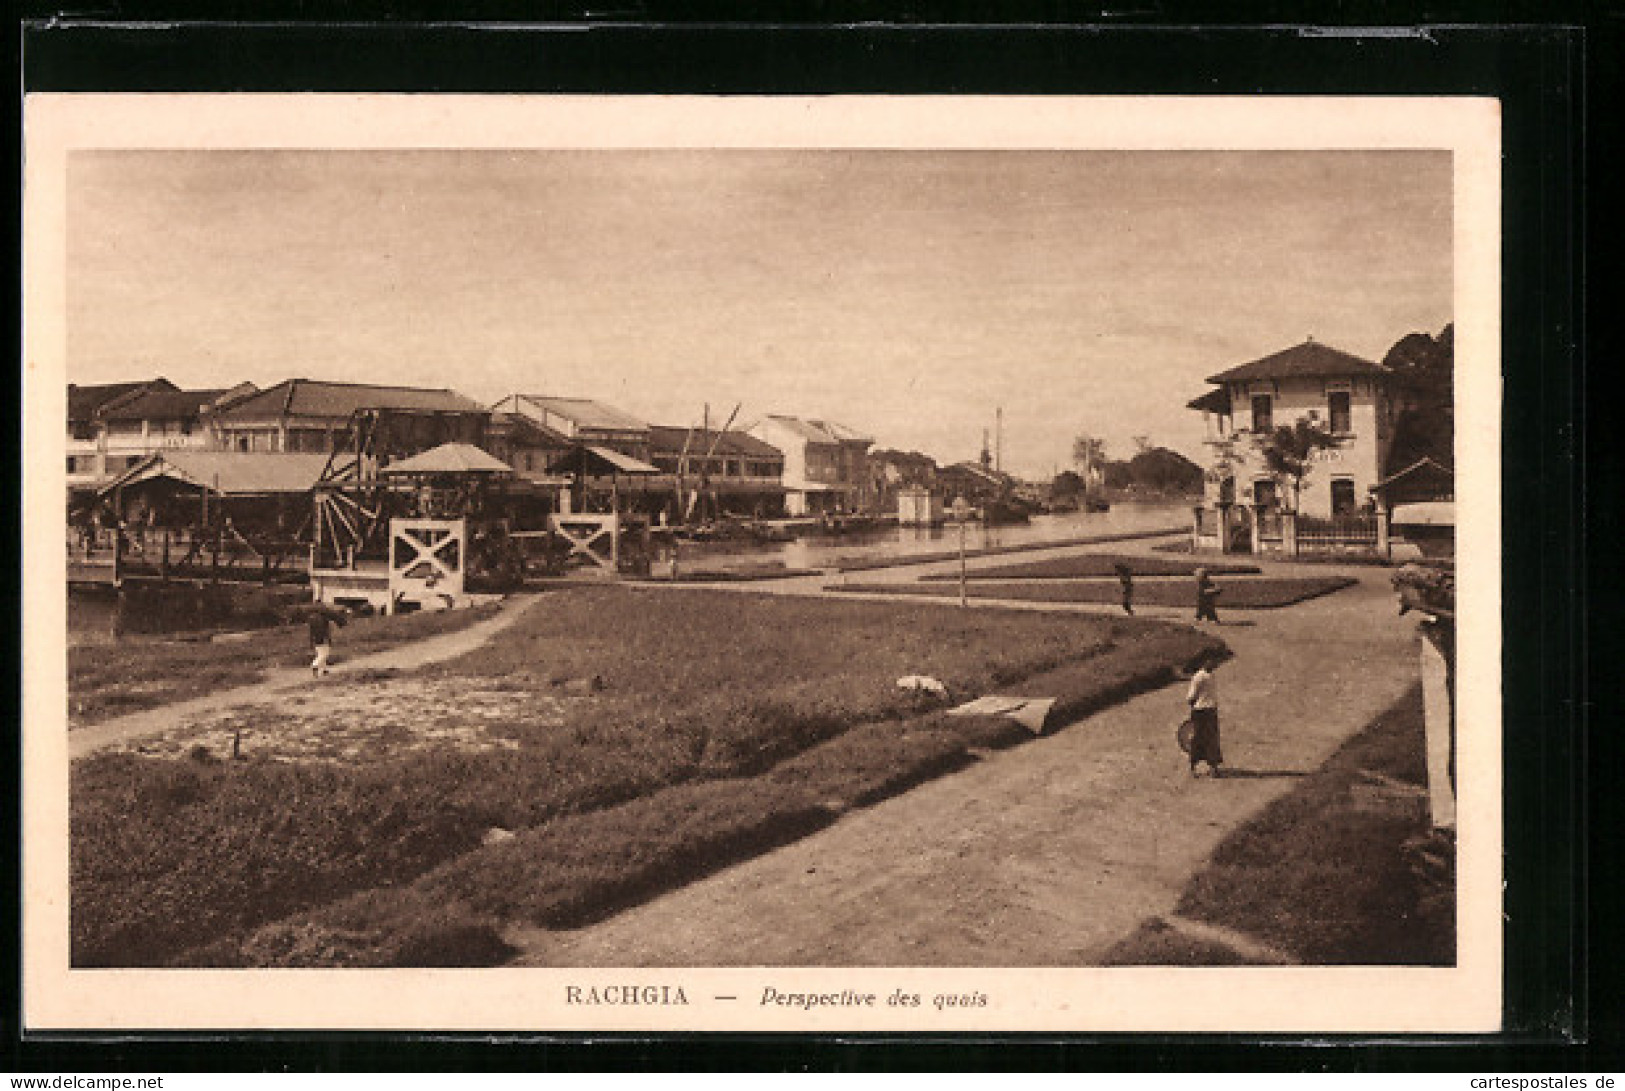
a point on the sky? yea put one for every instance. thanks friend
(909, 295)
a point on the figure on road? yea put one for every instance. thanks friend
(321, 638)
(1207, 597)
(1125, 576)
(1203, 698)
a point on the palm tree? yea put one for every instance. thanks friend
(1089, 452)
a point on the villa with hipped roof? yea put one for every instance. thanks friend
(1356, 400)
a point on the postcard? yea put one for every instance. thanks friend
(840, 564)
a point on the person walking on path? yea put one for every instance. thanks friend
(1125, 576)
(1203, 698)
(321, 638)
(1207, 597)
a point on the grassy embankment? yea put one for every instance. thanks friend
(1323, 875)
(898, 561)
(743, 573)
(1368, 558)
(1092, 565)
(725, 724)
(1264, 593)
(111, 680)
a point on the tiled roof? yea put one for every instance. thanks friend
(1308, 359)
(162, 405)
(326, 400)
(84, 401)
(586, 413)
(1214, 401)
(1420, 466)
(669, 439)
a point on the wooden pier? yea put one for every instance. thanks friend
(106, 559)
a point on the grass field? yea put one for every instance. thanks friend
(1323, 875)
(725, 723)
(1087, 565)
(110, 680)
(1263, 593)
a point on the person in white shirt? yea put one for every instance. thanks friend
(1203, 698)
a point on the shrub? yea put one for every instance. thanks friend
(1259, 593)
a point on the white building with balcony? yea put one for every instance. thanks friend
(116, 426)
(1356, 400)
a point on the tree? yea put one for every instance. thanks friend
(1161, 470)
(1290, 450)
(1425, 367)
(1089, 452)
(1066, 486)
(1142, 444)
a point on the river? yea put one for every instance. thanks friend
(819, 551)
(98, 617)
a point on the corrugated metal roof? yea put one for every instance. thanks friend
(1308, 359)
(819, 431)
(842, 432)
(586, 413)
(449, 458)
(229, 472)
(336, 401)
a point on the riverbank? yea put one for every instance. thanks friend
(107, 680)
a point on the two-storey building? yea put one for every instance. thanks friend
(313, 416)
(116, 426)
(825, 464)
(1356, 400)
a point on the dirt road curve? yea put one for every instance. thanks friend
(1041, 855)
(280, 683)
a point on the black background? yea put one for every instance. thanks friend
(1554, 70)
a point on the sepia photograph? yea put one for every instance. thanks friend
(761, 565)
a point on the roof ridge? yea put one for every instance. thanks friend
(374, 386)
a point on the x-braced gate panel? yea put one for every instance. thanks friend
(427, 558)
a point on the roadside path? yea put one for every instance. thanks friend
(1048, 853)
(288, 680)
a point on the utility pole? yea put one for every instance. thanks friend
(998, 440)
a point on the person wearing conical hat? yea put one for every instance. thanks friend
(1203, 699)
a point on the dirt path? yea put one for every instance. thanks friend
(1045, 854)
(282, 684)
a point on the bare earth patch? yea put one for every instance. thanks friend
(366, 721)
